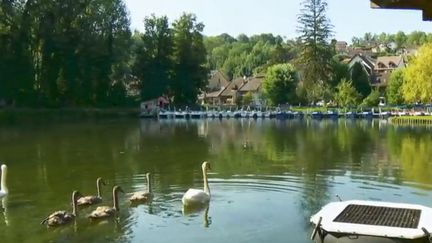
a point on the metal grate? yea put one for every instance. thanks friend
(381, 216)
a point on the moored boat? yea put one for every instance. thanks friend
(165, 114)
(196, 115)
(351, 114)
(317, 115)
(237, 114)
(180, 114)
(367, 114)
(332, 114)
(370, 221)
(281, 115)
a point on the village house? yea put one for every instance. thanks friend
(365, 51)
(254, 87)
(384, 66)
(367, 63)
(217, 81)
(220, 92)
(230, 94)
(409, 52)
(380, 69)
(341, 47)
(212, 98)
(216, 84)
(152, 105)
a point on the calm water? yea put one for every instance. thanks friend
(267, 178)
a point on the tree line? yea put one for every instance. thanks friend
(79, 53)
(62, 53)
(82, 53)
(400, 39)
(171, 60)
(413, 85)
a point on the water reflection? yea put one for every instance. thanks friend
(196, 211)
(4, 210)
(268, 176)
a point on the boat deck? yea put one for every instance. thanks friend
(380, 216)
(385, 219)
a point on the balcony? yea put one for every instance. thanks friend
(424, 5)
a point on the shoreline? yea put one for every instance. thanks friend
(412, 120)
(13, 115)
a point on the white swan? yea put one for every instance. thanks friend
(3, 188)
(196, 197)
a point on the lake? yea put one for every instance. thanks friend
(267, 179)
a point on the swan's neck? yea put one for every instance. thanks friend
(115, 201)
(3, 182)
(149, 185)
(206, 186)
(74, 206)
(98, 188)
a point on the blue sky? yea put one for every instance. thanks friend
(349, 17)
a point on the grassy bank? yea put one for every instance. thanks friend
(13, 115)
(412, 120)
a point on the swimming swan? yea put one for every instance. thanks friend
(106, 211)
(62, 217)
(3, 188)
(195, 196)
(143, 196)
(92, 199)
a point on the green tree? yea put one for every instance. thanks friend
(340, 71)
(319, 91)
(16, 70)
(218, 57)
(394, 88)
(360, 80)
(346, 95)
(247, 56)
(190, 72)
(315, 54)
(258, 59)
(117, 94)
(243, 38)
(400, 39)
(417, 85)
(235, 65)
(280, 84)
(247, 99)
(217, 49)
(417, 38)
(373, 99)
(153, 62)
(62, 52)
(282, 54)
(78, 49)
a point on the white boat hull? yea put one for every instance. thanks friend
(329, 229)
